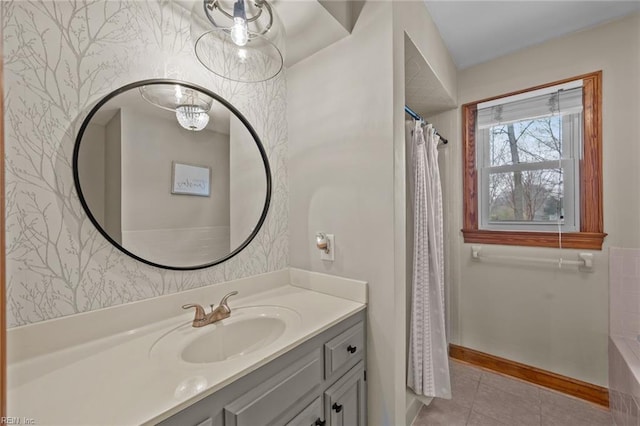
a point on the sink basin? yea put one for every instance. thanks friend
(249, 329)
(234, 338)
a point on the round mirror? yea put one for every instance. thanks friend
(172, 174)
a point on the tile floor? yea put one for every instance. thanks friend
(481, 397)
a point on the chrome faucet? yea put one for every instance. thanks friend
(221, 312)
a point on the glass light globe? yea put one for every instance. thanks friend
(220, 44)
(192, 117)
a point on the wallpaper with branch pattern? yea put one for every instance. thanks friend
(61, 57)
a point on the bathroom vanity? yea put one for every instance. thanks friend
(320, 382)
(292, 352)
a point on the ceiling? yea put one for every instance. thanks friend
(309, 26)
(478, 31)
(474, 31)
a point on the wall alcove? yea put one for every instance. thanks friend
(425, 94)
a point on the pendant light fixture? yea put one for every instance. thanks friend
(238, 40)
(190, 106)
(192, 117)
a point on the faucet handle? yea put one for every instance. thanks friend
(191, 305)
(199, 316)
(223, 302)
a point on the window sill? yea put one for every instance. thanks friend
(575, 240)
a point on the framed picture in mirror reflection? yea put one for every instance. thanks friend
(190, 179)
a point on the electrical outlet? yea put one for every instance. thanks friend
(331, 246)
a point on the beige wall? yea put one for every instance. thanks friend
(247, 183)
(91, 165)
(556, 319)
(113, 178)
(346, 151)
(341, 179)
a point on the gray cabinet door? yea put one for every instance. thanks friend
(269, 400)
(345, 400)
(310, 416)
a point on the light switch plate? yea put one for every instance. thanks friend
(332, 249)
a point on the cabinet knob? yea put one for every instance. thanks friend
(320, 422)
(352, 349)
(337, 407)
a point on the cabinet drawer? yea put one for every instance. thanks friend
(345, 349)
(310, 415)
(266, 402)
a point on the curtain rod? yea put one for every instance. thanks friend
(415, 115)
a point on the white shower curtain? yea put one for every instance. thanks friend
(428, 372)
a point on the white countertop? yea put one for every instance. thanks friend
(111, 379)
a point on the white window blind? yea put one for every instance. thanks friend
(559, 102)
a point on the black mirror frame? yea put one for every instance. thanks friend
(263, 155)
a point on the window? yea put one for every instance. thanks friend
(533, 166)
(528, 151)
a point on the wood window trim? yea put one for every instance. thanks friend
(591, 234)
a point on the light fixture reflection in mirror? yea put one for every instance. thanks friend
(167, 196)
(190, 106)
(192, 117)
